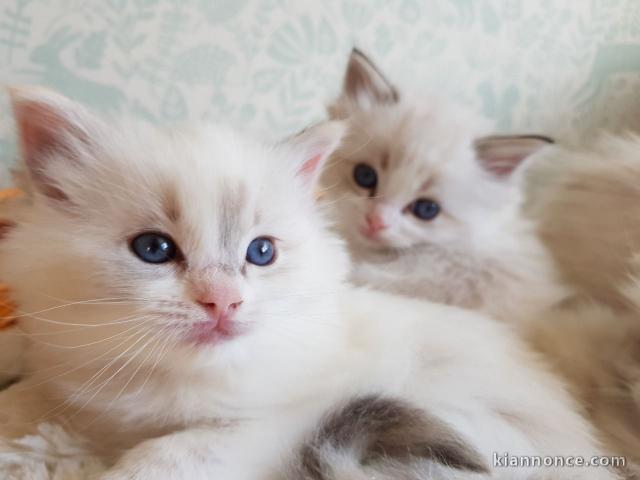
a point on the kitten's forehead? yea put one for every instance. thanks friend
(202, 188)
(234, 214)
(411, 143)
(218, 204)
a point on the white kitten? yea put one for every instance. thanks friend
(188, 316)
(430, 204)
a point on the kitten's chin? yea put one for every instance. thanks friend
(208, 333)
(204, 334)
(359, 241)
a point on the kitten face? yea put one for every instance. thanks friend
(407, 175)
(191, 248)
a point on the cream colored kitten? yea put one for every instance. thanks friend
(189, 317)
(588, 208)
(597, 351)
(587, 204)
(429, 202)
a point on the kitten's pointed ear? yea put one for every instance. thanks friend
(50, 127)
(364, 85)
(503, 154)
(313, 146)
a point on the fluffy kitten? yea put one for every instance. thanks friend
(587, 205)
(430, 203)
(588, 210)
(189, 317)
(596, 349)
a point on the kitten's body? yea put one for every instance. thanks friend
(588, 205)
(119, 348)
(596, 350)
(480, 252)
(489, 392)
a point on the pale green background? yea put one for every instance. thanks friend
(564, 67)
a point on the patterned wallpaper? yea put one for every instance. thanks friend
(558, 66)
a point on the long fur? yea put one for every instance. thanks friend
(480, 252)
(587, 208)
(374, 436)
(111, 356)
(586, 202)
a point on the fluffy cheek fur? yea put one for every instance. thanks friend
(83, 288)
(286, 312)
(122, 305)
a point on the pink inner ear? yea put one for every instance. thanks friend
(309, 167)
(42, 131)
(503, 154)
(503, 165)
(39, 129)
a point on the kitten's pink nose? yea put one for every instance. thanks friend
(375, 222)
(221, 302)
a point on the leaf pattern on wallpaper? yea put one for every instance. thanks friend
(560, 67)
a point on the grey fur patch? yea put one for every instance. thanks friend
(383, 435)
(170, 204)
(629, 472)
(384, 161)
(234, 200)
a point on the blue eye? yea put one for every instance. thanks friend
(365, 176)
(425, 209)
(153, 247)
(261, 252)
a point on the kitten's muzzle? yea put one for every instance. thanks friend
(375, 224)
(220, 298)
(221, 303)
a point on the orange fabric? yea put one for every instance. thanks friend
(8, 193)
(7, 307)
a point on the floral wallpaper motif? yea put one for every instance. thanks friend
(555, 66)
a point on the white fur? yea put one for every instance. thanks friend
(480, 252)
(51, 453)
(152, 405)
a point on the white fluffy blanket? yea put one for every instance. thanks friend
(49, 454)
